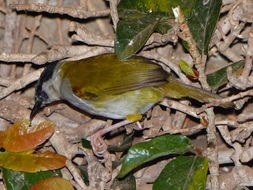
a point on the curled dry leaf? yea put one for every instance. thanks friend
(21, 137)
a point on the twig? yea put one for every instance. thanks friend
(35, 27)
(76, 175)
(114, 13)
(61, 52)
(190, 130)
(180, 107)
(41, 36)
(244, 78)
(103, 24)
(16, 57)
(212, 151)
(21, 83)
(92, 38)
(73, 12)
(227, 40)
(76, 185)
(67, 149)
(157, 39)
(217, 102)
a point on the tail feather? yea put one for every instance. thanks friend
(176, 89)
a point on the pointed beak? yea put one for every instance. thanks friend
(36, 108)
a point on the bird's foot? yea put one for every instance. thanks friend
(97, 142)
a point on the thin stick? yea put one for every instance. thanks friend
(73, 12)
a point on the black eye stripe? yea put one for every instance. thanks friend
(45, 76)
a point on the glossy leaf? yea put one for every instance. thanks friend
(21, 137)
(184, 173)
(127, 183)
(219, 78)
(86, 144)
(122, 146)
(188, 70)
(140, 18)
(158, 7)
(146, 151)
(132, 34)
(15, 180)
(163, 26)
(29, 162)
(55, 183)
(202, 22)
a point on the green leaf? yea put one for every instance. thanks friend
(122, 146)
(146, 151)
(187, 69)
(163, 26)
(14, 180)
(84, 173)
(158, 7)
(132, 34)
(183, 173)
(86, 144)
(127, 183)
(219, 78)
(140, 18)
(202, 22)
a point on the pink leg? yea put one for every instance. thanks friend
(97, 142)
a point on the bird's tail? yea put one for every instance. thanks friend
(176, 89)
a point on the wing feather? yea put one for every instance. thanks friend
(103, 75)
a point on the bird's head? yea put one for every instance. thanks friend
(42, 94)
(40, 101)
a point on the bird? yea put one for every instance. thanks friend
(106, 86)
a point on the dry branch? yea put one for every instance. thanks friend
(73, 12)
(72, 52)
(11, 57)
(21, 83)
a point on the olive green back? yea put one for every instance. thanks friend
(105, 75)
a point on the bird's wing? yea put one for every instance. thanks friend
(137, 79)
(106, 75)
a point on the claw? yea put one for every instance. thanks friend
(98, 144)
